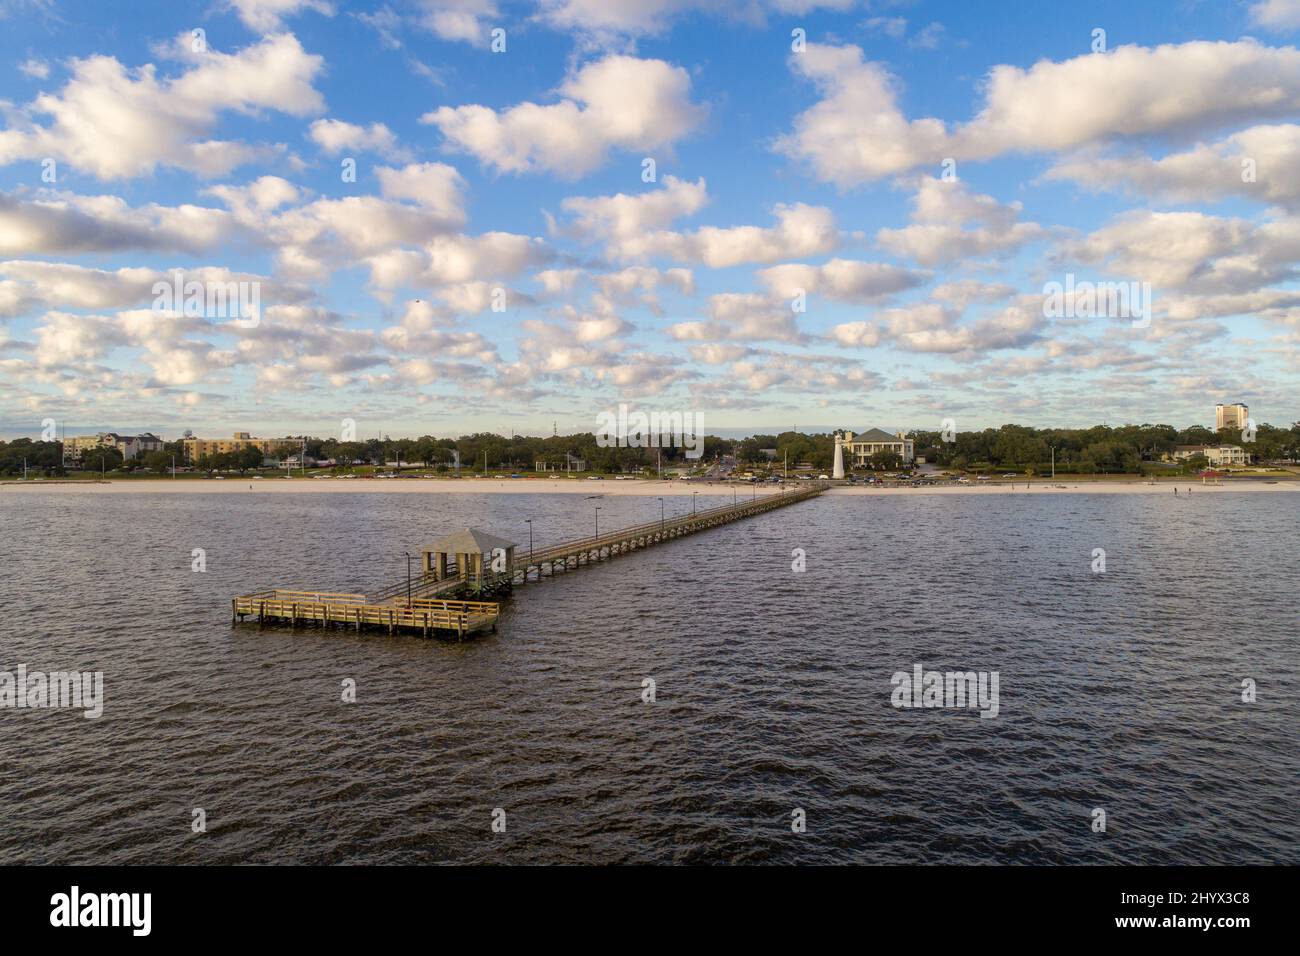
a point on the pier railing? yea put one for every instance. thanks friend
(679, 522)
(326, 608)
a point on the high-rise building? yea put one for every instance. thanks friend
(1230, 416)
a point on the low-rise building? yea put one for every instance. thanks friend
(1216, 455)
(570, 463)
(130, 446)
(197, 448)
(860, 446)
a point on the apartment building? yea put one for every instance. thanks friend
(196, 448)
(130, 446)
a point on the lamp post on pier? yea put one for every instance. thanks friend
(661, 516)
(598, 524)
(408, 578)
(694, 494)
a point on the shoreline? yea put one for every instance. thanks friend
(610, 487)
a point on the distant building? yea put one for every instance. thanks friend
(860, 446)
(1217, 455)
(130, 446)
(1230, 416)
(571, 463)
(196, 448)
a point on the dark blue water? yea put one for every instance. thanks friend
(1119, 691)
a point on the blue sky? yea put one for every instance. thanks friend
(501, 262)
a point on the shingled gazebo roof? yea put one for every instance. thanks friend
(468, 541)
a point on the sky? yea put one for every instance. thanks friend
(465, 215)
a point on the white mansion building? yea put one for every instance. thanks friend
(856, 448)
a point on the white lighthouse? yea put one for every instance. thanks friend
(838, 471)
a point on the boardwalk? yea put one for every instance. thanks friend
(433, 602)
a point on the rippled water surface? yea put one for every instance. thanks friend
(1119, 691)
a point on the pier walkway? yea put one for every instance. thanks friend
(476, 564)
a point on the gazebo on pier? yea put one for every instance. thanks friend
(464, 555)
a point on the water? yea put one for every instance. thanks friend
(1119, 691)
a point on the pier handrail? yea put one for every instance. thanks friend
(568, 547)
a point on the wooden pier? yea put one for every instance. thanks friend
(473, 563)
(574, 554)
(326, 608)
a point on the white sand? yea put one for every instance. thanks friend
(611, 487)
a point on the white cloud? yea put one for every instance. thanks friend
(35, 68)
(65, 224)
(619, 102)
(857, 132)
(335, 136)
(435, 186)
(951, 224)
(632, 228)
(457, 19)
(737, 316)
(1205, 173)
(842, 280)
(117, 123)
(492, 256)
(937, 328)
(800, 231)
(608, 20)
(892, 27)
(1281, 16)
(314, 237)
(1191, 252)
(266, 16)
(66, 285)
(623, 218)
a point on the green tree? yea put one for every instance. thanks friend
(158, 461)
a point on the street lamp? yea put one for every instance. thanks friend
(661, 516)
(693, 496)
(408, 578)
(598, 524)
(529, 522)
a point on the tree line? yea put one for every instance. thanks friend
(1100, 449)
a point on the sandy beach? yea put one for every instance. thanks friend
(609, 487)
